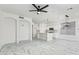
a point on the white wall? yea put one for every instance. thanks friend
(9, 29)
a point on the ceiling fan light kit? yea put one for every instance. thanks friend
(38, 12)
(39, 9)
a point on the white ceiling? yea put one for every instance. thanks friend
(55, 11)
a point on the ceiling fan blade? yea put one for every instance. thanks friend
(32, 10)
(44, 7)
(43, 11)
(35, 6)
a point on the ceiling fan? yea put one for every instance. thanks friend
(39, 9)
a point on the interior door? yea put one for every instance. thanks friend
(24, 28)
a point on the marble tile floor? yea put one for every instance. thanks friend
(41, 47)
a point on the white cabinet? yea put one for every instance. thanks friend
(49, 36)
(42, 36)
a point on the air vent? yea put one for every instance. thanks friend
(21, 17)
